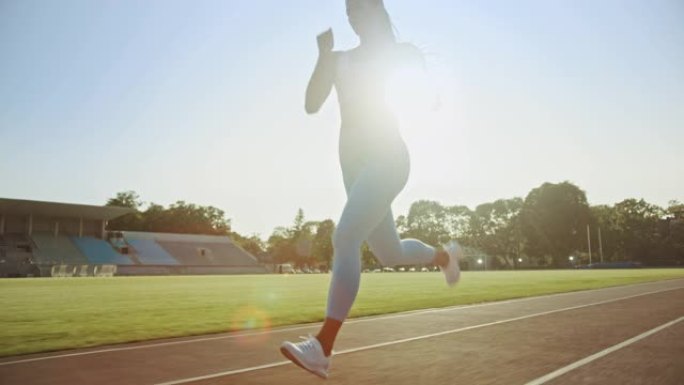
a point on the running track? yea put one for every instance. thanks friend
(623, 335)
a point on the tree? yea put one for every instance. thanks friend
(280, 246)
(299, 223)
(368, 259)
(292, 244)
(252, 244)
(495, 229)
(675, 232)
(186, 218)
(458, 222)
(154, 218)
(180, 217)
(553, 221)
(132, 221)
(427, 221)
(604, 217)
(129, 199)
(322, 247)
(639, 223)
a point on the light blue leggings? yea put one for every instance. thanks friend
(371, 184)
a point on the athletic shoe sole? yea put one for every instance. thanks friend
(293, 358)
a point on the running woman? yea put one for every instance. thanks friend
(375, 167)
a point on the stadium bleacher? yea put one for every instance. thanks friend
(57, 249)
(16, 256)
(150, 253)
(195, 250)
(229, 254)
(66, 239)
(190, 253)
(99, 251)
(17, 240)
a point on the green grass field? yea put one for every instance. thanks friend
(46, 314)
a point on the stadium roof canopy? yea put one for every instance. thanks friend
(60, 210)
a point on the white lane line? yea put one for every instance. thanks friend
(602, 353)
(410, 339)
(313, 325)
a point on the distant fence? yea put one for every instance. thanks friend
(110, 270)
(188, 270)
(612, 265)
(64, 271)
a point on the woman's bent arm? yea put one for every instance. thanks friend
(323, 76)
(321, 83)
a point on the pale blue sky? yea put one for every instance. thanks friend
(203, 101)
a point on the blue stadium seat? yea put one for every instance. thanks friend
(150, 253)
(100, 252)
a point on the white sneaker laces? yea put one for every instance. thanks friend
(307, 344)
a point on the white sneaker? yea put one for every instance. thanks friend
(308, 354)
(452, 271)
